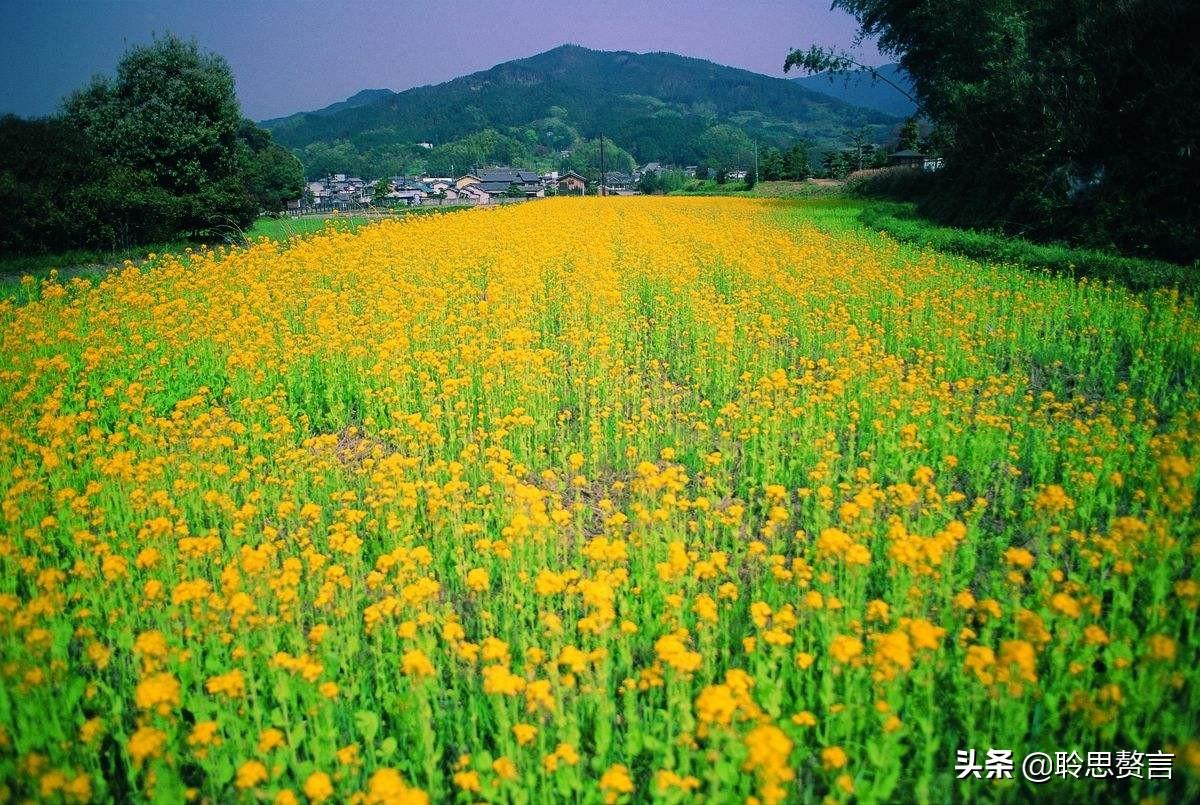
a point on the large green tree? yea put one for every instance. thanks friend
(168, 124)
(909, 136)
(158, 151)
(797, 166)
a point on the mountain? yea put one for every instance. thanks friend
(364, 97)
(655, 105)
(861, 89)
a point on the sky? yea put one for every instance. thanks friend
(296, 55)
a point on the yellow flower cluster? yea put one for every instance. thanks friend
(601, 500)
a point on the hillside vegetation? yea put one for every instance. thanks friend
(653, 105)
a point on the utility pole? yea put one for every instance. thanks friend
(756, 161)
(600, 189)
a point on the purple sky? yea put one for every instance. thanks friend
(294, 55)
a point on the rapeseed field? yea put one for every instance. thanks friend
(598, 500)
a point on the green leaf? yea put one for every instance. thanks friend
(367, 723)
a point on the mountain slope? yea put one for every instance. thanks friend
(860, 89)
(364, 97)
(653, 104)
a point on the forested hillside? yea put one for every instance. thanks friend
(656, 106)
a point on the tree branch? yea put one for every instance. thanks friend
(823, 60)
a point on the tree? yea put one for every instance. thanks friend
(585, 159)
(661, 181)
(819, 59)
(836, 164)
(168, 122)
(272, 174)
(487, 147)
(158, 151)
(770, 165)
(860, 148)
(1079, 119)
(649, 183)
(724, 148)
(751, 178)
(909, 136)
(378, 192)
(796, 165)
(52, 188)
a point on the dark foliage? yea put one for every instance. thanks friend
(1058, 118)
(158, 151)
(271, 173)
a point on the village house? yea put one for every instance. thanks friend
(338, 192)
(907, 159)
(465, 180)
(441, 188)
(408, 190)
(915, 159)
(571, 184)
(474, 193)
(616, 183)
(657, 168)
(500, 181)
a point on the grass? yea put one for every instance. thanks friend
(89, 265)
(901, 222)
(280, 229)
(709, 187)
(600, 500)
(774, 189)
(798, 190)
(81, 259)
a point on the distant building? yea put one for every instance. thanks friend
(571, 184)
(499, 181)
(907, 159)
(442, 188)
(338, 191)
(406, 189)
(426, 146)
(474, 193)
(915, 159)
(616, 183)
(649, 168)
(467, 179)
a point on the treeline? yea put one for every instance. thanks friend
(1057, 119)
(539, 147)
(157, 152)
(715, 148)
